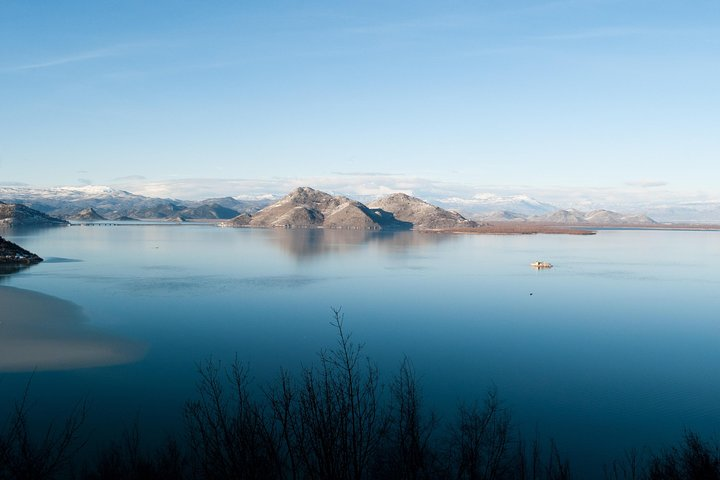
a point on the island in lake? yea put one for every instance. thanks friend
(306, 207)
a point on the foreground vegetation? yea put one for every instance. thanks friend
(334, 421)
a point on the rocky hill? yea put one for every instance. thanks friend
(12, 254)
(208, 211)
(15, 215)
(309, 208)
(242, 220)
(422, 215)
(88, 215)
(306, 207)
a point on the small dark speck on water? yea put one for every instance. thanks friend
(530, 293)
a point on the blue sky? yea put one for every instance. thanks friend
(185, 98)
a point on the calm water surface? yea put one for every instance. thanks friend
(615, 347)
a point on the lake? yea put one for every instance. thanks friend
(615, 347)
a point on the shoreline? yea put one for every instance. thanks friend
(530, 228)
(499, 228)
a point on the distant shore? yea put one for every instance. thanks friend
(499, 228)
(531, 228)
(516, 228)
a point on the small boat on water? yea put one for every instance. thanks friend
(540, 264)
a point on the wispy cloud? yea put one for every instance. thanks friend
(362, 186)
(367, 174)
(129, 178)
(646, 183)
(456, 21)
(13, 184)
(59, 61)
(593, 33)
(440, 22)
(76, 57)
(625, 31)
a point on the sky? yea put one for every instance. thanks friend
(192, 99)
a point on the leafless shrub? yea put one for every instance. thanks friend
(479, 442)
(694, 459)
(24, 456)
(408, 452)
(127, 460)
(229, 434)
(330, 419)
(630, 467)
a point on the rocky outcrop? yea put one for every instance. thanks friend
(16, 215)
(12, 254)
(422, 215)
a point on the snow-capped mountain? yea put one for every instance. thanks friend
(67, 201)
(483, 204)
(700, 212)
(596, 217)
(111, 203)
(502, 216)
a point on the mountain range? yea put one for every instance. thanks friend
(482, 205)
(308, 208)
(573, 217)
(303, 207)
(113, 204)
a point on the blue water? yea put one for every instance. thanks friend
(615, 347)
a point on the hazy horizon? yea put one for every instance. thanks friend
(662, 205)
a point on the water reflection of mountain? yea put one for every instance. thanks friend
(305, 243)
(7, 270)
(41, 332)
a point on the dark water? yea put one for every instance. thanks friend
(617, 346)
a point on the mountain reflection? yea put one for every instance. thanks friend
(305, 243)
(41, 332)
(7, 270)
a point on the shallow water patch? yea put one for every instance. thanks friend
(42, 332)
